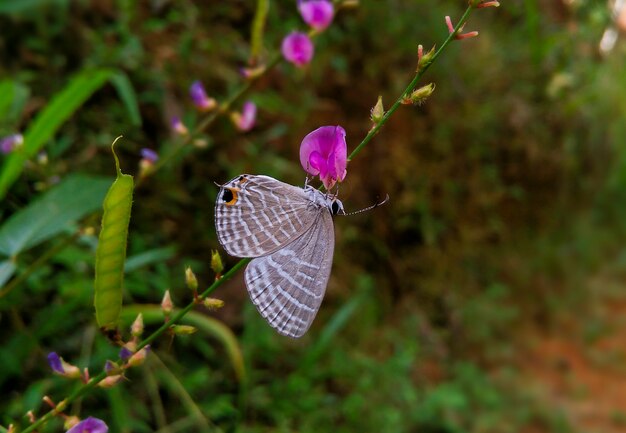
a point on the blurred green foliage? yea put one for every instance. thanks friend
(507, 196)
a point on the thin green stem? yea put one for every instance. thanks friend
(411, 85)
(176, 318)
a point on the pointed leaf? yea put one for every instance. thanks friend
(53, 212)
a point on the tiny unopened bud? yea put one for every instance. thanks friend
(200, 143)
(212, 303)
(183, 329)
(178, 126)
(254, 72)
(12, 429)
(377, 111)
(62, 368)
(138, 358)
(112, 368)
(424, 60)
(110, 381)
(31, 416)
(487, 4)
(166, 304)
(419, 96)
(216, 263)
(191, 280)
(70, 422)
(128, 349)
(136, 328)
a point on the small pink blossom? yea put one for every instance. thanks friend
(324, 152)
(178, 126)
(245, 120)
(297, 48)
(9, 143)
(317, 13)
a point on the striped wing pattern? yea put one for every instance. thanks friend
(258, 215)
(287, 286)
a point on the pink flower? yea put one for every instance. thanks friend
(316, 13)
(324, 152)
(245, 120)
(297, 48)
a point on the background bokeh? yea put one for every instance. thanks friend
(486, 296)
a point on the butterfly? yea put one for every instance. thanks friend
(289, 233)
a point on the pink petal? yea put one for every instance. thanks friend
(297, 48)
(317, 13)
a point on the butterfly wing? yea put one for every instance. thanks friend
(287, 286)
(257, 215)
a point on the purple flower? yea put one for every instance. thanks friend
(55, 363)
(316, 13)
(90, 425)
(178, 125)
(125, 353)
(149, 155)
(200, 98)
(245, 120)
(324, 152)
(297, 48)
(60, 367)
(10, 142)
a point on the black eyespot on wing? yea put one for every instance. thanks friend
(227, 196)
(334, 208)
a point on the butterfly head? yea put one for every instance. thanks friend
(336, 207)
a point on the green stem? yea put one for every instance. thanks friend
(176, 318)
(411, 85)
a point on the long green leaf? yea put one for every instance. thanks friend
(111, 251)
(60, 108)
(7, 268)
(55, 211)
(126, 92)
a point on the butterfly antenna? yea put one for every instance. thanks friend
(374, 206)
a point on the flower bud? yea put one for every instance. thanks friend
(200, 98)
(191, 280)
(178, 126)
(216, 263)
(10, 143)
(419, 96)
(110, 381)
(62, 368)
(245, 120)
(136, 328)
(251, 73)
(138, 358)
(212, 303)
(378, 111)
(183, 329)
(166, 304)
(112, 368)
(424, 60)
(70, 422)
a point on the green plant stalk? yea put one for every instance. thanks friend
(411, 85)
(258, 26)
(93, 382)
(241, 263)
